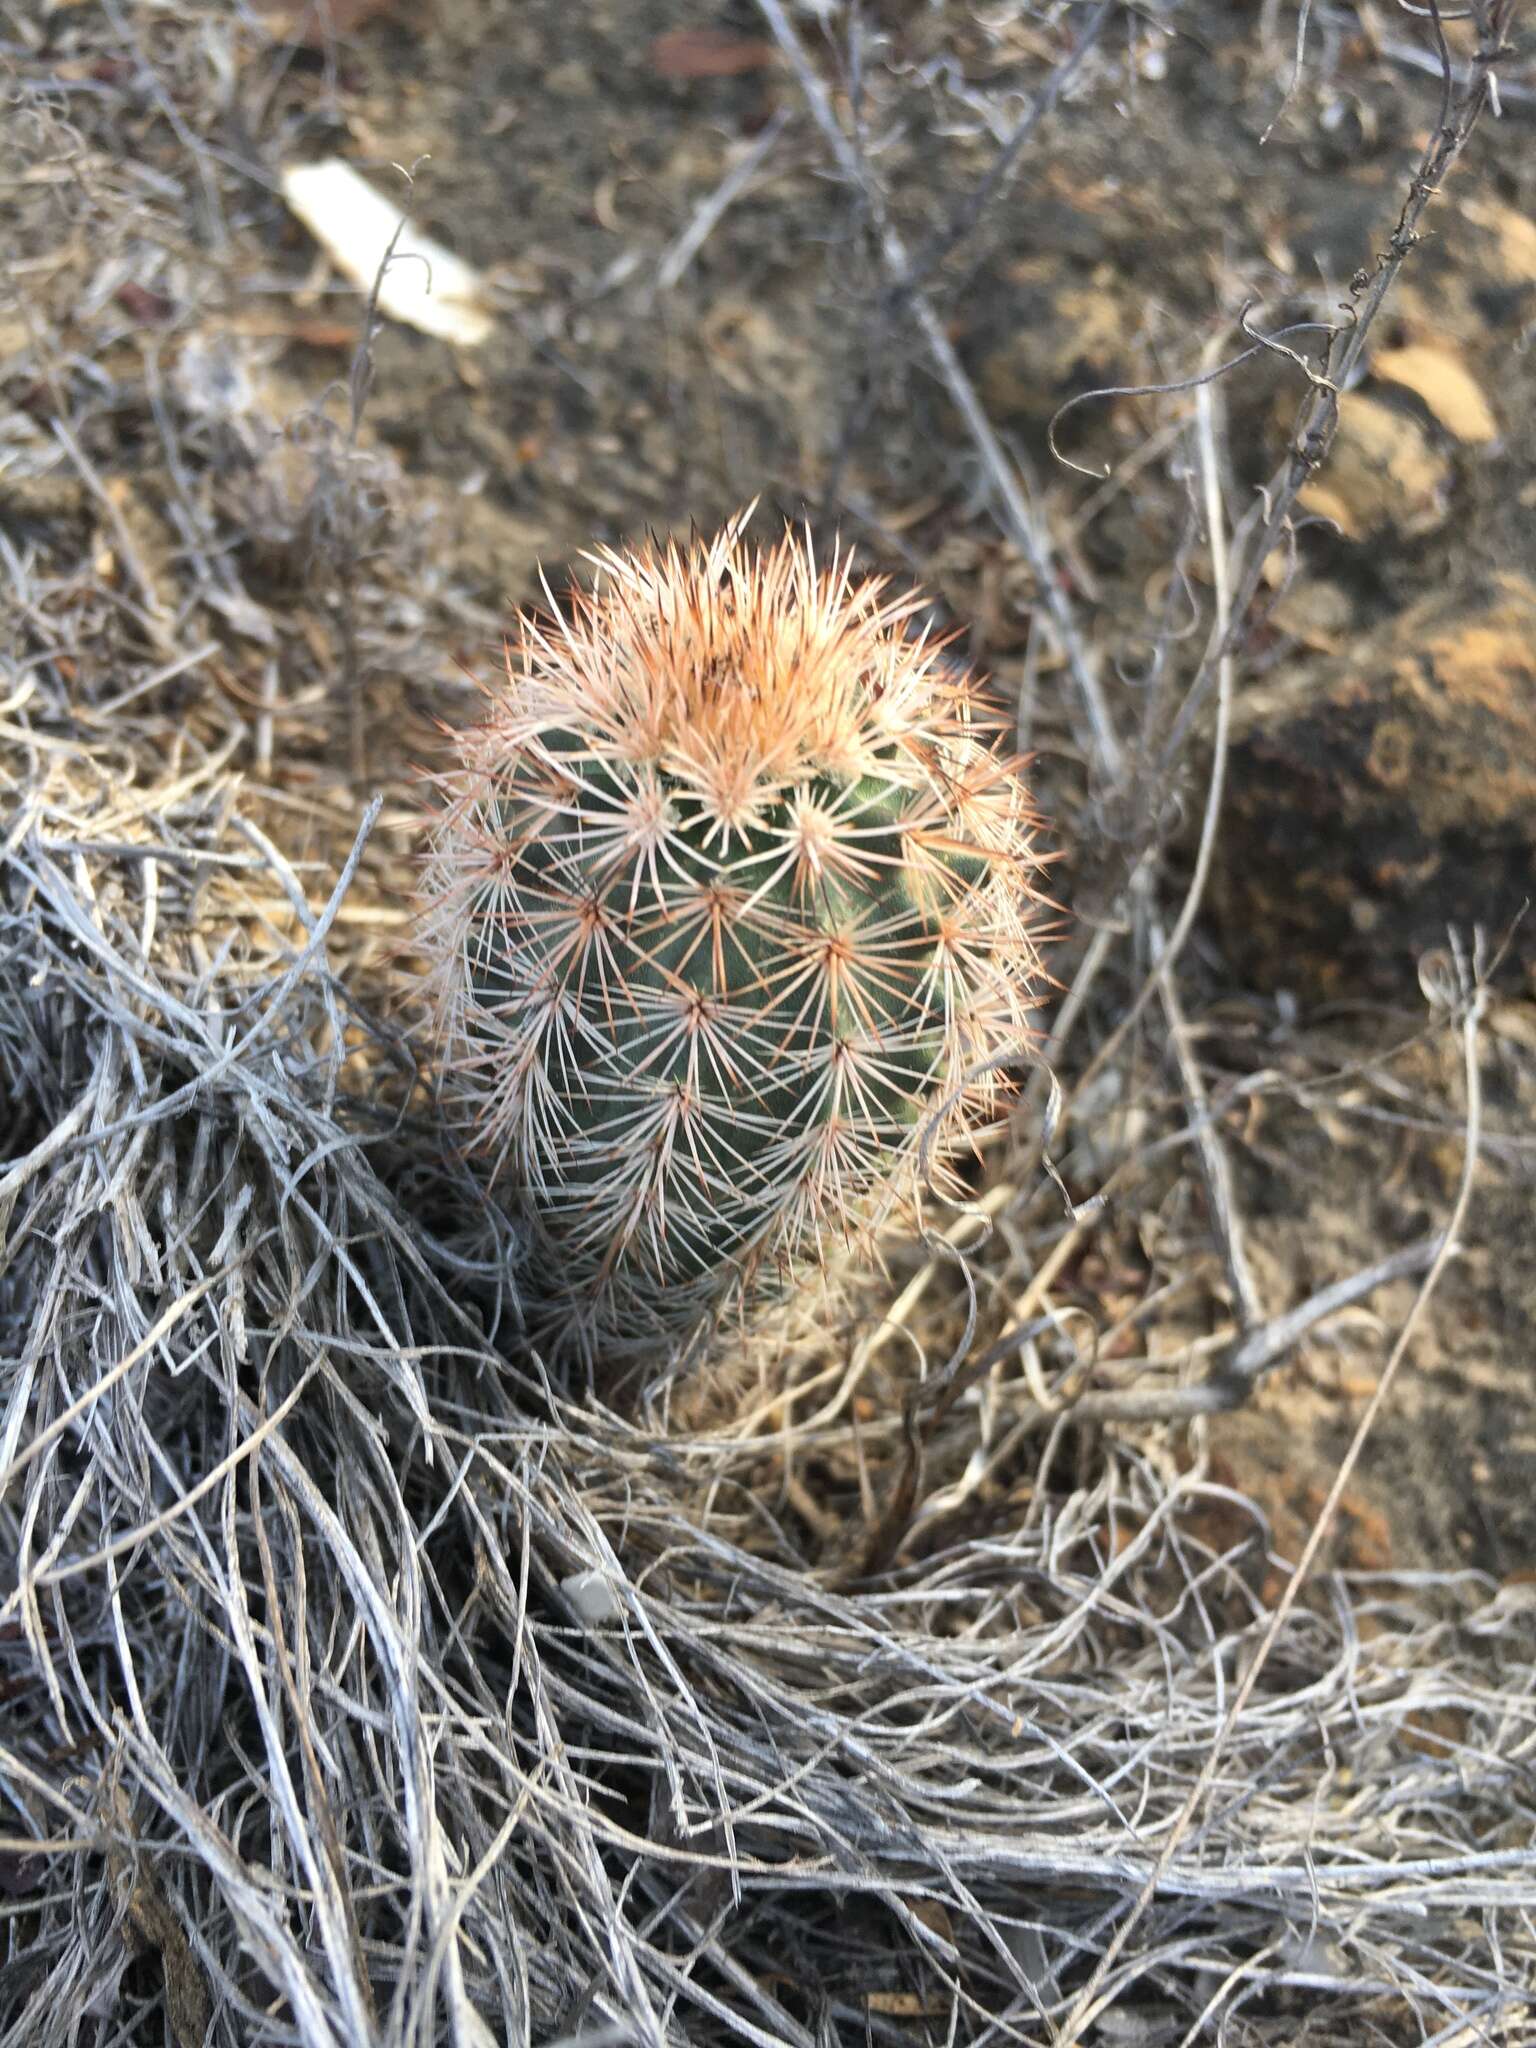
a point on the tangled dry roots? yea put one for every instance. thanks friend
(359, 1686)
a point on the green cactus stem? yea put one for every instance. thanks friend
(733, 890)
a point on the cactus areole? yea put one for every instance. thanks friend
(730, 901)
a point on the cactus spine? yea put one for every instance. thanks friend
(732, 889)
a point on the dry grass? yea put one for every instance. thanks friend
(359, 1683)
(361, 1686)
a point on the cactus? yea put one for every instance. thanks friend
(730, 898)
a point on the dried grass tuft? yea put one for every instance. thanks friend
(359, 1685)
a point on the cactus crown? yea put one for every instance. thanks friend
(732, 888)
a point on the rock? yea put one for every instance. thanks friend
(1438, 376)
(1383, 474)
(1513, 234)
(1379, 797)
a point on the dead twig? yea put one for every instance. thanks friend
(1318, 415)
(680, 252)
(1020, 519)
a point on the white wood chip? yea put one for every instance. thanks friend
(426, 286)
